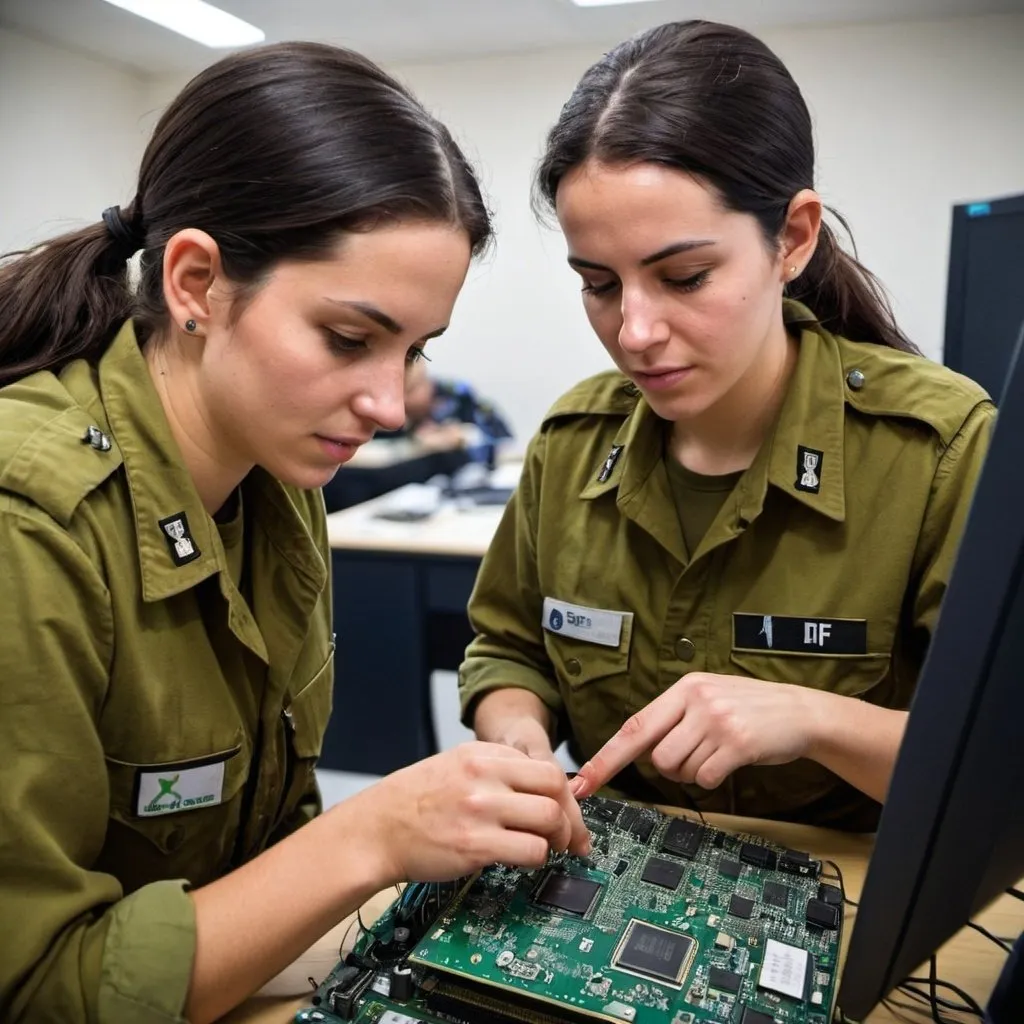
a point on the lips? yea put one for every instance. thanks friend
(661, 379)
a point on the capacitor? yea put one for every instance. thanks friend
(401, 937)
(401, 984)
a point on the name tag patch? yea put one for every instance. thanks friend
(791, 634)
(595, 625)
(168, 789)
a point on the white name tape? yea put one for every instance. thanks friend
(166, 791)
(596, 625)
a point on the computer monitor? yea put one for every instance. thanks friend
(951, 836)
(985, 297)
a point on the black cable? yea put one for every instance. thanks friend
(1015, 893)
(923, 997)
(988, 935)
(955, 989)
(842, 884)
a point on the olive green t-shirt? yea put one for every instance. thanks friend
(699, 498)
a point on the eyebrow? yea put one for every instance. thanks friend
(655, 257)
(379, 317)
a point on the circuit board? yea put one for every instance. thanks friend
(668, 921)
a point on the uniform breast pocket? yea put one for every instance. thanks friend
(305, 718)
(849, 676)
(174, 819)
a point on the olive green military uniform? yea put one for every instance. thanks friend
(824, 567)
(164, 688)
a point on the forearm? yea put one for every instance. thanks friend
(497, 708)
(257, 920)
(856, 740)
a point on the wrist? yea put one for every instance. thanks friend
(816, 715)
(361, 827)
(501, 712)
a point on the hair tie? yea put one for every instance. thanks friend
(128, 234)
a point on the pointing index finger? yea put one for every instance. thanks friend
(640, 733)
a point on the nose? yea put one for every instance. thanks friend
(381, 398)
(643, 324)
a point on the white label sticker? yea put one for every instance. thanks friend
(595, 625)
(391, 1017)
(784, 969)
(166, 791)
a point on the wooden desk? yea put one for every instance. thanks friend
(968, 959)
(400, 596)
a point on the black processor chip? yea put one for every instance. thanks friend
(776, 894)
(759, 856)
(830, 894)
(654, 952)
(682, 838)
(637, 822)
(740, 906)
(729, 867)
(722, 980)
(568, 894)
(662, 872)
(756, 1017)
(822, 915)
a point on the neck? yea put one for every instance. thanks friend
(726, 437)
(215, 471)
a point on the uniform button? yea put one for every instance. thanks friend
(95, 438)
(855, 378)
(685, 649)
(174, 838)
(573, 667)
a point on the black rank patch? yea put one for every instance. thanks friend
(808, 469)
(793, 634)
(179, 539)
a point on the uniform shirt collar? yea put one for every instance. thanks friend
(811, 420)
(162, 489)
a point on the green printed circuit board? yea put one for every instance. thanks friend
(669, 921)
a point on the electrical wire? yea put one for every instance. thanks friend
(842, 884)
(1001, 943)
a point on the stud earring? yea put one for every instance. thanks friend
(190, 326)
(792, 271)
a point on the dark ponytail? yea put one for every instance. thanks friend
(276, 153)
(714, 101)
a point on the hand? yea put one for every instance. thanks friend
(706, 726)
(527, 735)
(478, 804)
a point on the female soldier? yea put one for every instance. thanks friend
(165, 631)
(723, 564)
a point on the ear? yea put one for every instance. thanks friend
(191, 267)
(800, 234)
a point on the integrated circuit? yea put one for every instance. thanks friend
(666, 873)
(683, 838)
(830, 894)
(822, 915)
(752, 1016)
(740, 906)
(636, 822)
(776, 895)
(759, 856)
(721, 980)
(568, 893)
(654, 952)
(729, 867)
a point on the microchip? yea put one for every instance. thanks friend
(830, 894)
(759, 856)
(637, 822)
(740, 906)
(621, 867)
(665, 873)
(794, 862)
(654, 952)
(567, 893)
(729, 867)
(603, 809)
(776, 894)
(822, 915)
(722, 980)
(756, 1017)
(682, 838)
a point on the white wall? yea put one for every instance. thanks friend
(72, 132)
(910, 119)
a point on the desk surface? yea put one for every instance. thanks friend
(453, 530)
(968, 959)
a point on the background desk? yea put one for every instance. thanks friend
(968, 960)
(400, 595)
